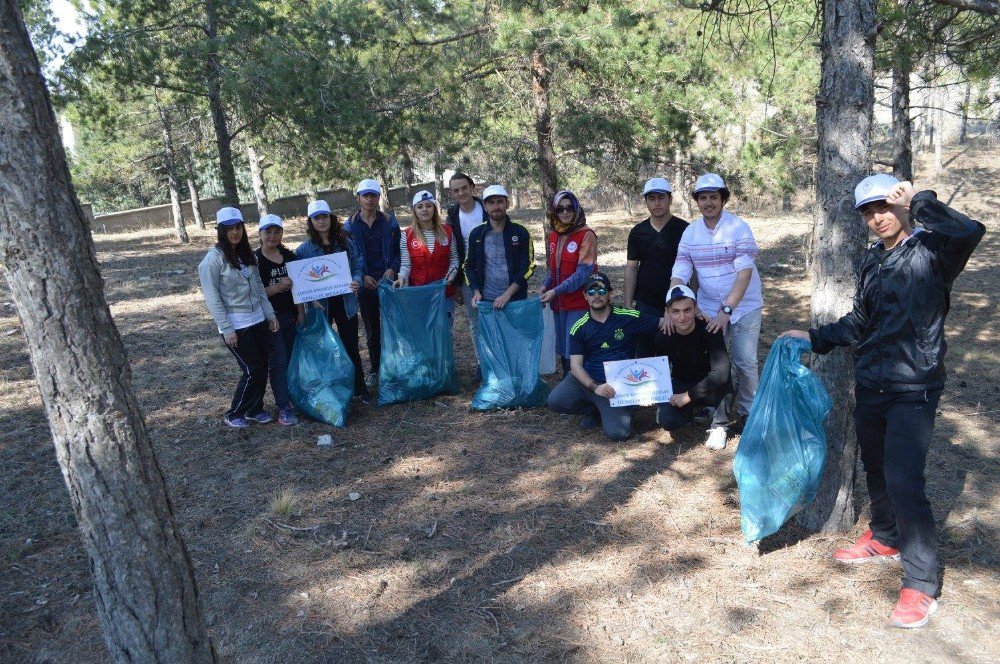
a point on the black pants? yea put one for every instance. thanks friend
(672, 418)
(644, 342)
(368, 299)
(347, 329)
(569, 396)
(894, 433)
(251, 352)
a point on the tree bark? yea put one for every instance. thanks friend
(941, 97)
(173, 182)
(257, 181)
(541, 77)
(220, 122)
(963, 131)
(384, 203)
(844, 116)
(407, 164)
(902, 124)
(192, 186)
(438, 178)
(144, 585)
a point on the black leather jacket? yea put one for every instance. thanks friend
(903, 296)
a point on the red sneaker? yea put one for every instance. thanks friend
(913, 609)
(866, 550)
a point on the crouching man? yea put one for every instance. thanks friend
(699, 369)
(603, 334)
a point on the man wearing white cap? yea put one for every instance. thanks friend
(500, 257)
(377, 239)
(652, 250)
(897, 329)
(720, 249)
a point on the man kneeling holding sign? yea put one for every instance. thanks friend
(604, 334)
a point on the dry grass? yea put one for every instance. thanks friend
(510, 536)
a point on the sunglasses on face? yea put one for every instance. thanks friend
(597, 290)
(562, 209)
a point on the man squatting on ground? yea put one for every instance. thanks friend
(699, 369)
(652, 250)
(897, 329)
(501, 257)
(464, 214)
(377, 238)
(603, 334)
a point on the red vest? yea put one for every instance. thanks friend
(427, 266)
(573, 301)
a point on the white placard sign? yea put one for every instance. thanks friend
(316, 278)
(641, 382)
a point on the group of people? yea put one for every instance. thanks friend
(709, 333)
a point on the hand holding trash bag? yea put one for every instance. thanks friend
(509, 344)
(320, 374)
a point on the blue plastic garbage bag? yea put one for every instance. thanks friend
(509, 343)
(418, 360)
(320, 374)
(780, 458)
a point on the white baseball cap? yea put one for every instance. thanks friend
(228, 216)
(495, 190)
(656, 186)
(368, 186)
(709, 182)
(678, 292)
(423, 195)
(270, 220)
(319, 206)
(874, 188)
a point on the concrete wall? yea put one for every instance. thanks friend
(158, 216)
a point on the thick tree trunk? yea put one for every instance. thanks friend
(902, 125)
(257, 181)
(173, 182)
(963, 130)
(144, 585)
(312, 192)
(438, 178)
(844, 115)
(407, 163)
(220, 123)
(192, 186)
(541, 77)
(939, 131)
(515, 198)
(384, 203)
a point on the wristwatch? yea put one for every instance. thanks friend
(728, 310)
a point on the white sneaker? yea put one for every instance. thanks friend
(716, 438)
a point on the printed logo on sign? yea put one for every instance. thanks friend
(319, 272)
(619, 334)
(572, 247)
(638, 376)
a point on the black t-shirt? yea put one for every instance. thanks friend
(270, 273)
(697, 359)
(614, 339)
(656, 252)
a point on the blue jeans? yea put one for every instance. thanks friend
(741, 339)
(279, 345)
(570, 397)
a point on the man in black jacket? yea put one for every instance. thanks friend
(464, 215)
(699, 369)
(500, 257)
(897, 330)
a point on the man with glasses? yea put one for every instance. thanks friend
(604, 334)
(897, 330)
(465, 214)
(651, 252)
(501, 257)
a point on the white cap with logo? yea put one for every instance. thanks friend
(423, 195)
(680, 291)
(228, 216)
(656, 186)
(709, 182)
(874, 188)
(318, 206)
(368, 186)
(494, 190)
(268, 221)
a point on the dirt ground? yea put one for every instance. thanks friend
(507, 536)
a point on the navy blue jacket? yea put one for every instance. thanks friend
(520, 253)
(390, 241)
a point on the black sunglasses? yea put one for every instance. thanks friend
(563, 208)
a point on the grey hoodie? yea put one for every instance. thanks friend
(228, 291)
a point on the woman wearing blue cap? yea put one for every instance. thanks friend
(272, 263)
(427, 250)
(327, 236)
(239, 306)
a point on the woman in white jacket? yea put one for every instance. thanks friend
(236, 299)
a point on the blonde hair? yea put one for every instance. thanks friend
(437, 225)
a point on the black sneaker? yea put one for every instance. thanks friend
(589, 421)
(364, 396)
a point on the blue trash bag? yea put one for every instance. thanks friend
(509, 343)
(320, 374)
(418, 360)
(779, 462)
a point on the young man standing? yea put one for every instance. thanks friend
(897, 329)
(464, 214)
(652, 250)
(604, 334)
(501, 257)
(699, 369)
(377, 239)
